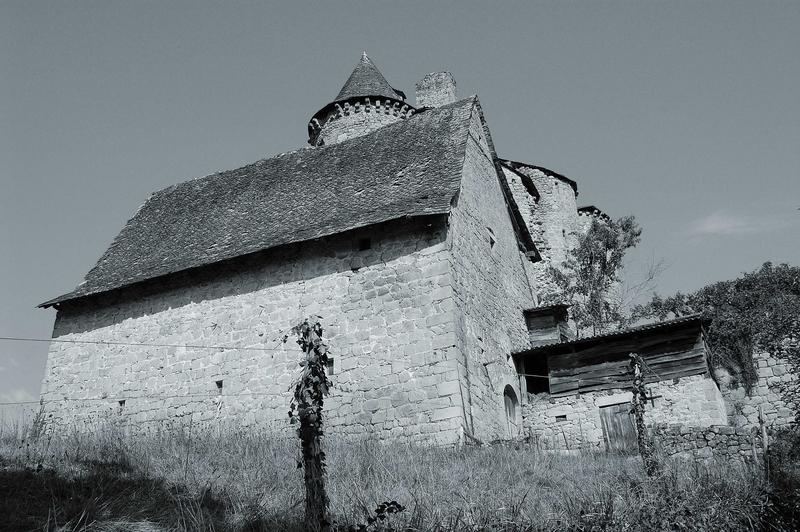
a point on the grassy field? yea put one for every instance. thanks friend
(243, 481)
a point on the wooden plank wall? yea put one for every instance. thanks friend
(604, 366)
(542, 329)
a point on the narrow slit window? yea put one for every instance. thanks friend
(492, 239)
(329, 367)
(121, 405)
(219, 387)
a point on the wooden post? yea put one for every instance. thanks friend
(638, 402)
(764, 440)
(523, 384)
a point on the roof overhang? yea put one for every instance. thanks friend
(573, 346)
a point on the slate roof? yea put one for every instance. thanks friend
(410, 168)
(367, 80)
(677, 323)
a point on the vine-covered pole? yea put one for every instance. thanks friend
(638, 402)
(306, 407)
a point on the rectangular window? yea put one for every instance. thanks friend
(329, 366)
(561, 418)
(219, 387)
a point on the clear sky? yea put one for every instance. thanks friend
(684, 114)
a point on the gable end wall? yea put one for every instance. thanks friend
(491, 291)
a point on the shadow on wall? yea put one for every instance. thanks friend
(344, 253)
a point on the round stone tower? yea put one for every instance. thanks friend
(365, 103)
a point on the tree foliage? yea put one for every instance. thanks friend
(759, 310)
(588, 277)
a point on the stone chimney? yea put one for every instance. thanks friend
(436, 89)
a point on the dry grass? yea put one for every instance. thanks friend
(175, 480)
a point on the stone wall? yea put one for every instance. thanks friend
(491, 291)
(553, 221)
(350, 120)
(573, 421)
(774, 374)
(436, 89)
(388, 313)
(685, 441)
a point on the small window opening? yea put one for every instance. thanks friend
(219, 387)
(121, 406)
(561, 418)
(329, 367)
(492, 239)
(537, 375)
(364, 244)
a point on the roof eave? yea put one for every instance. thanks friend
(74, 295)
(684, 321)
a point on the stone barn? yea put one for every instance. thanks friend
(396, 225)
(423, 252)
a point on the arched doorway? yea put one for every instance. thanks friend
(510, 401)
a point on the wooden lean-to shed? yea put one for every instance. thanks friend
(579, 391)
(671, 349)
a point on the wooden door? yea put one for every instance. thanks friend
(618, 429)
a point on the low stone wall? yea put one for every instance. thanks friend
(684, 441)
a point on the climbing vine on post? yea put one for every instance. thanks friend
(638, 402)
(306, 408)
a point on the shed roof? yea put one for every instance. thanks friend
(410, 168)
(547, 309)
(694, 320)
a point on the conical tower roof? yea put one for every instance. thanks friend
(367, 80)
